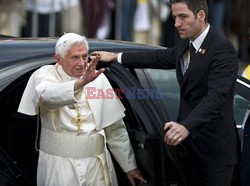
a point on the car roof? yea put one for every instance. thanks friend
(19, 48)
(21, 55)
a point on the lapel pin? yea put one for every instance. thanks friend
(203, 51)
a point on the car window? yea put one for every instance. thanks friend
(166, 82)
(240, 108)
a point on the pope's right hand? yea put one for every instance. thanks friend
(90, 73)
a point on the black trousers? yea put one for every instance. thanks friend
(206, 174)
(214, 175)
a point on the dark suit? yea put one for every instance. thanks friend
(207, 89)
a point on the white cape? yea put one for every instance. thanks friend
(105, 111)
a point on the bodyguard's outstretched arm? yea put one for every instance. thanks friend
(105, 56)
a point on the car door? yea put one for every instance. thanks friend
(159, 163)
(242, 110)
(166, 80)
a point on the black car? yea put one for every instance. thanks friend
(150, 96)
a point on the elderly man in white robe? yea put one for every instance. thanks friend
(75, 129)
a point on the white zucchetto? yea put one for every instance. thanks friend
(68, 37)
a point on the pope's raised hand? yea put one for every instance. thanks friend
(90, 73)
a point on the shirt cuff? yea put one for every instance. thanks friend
(119, 57)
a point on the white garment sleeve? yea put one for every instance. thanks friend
(50, 93)
(119, 57)
(120, 146)
(58, 95)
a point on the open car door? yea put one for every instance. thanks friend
(160, 164)
(242, 110)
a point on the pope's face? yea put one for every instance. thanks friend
(75, 61)
(188, 25)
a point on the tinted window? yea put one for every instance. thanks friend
(166, 82)
(240, 108)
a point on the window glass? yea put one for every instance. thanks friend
(240, 108)
(166, 82)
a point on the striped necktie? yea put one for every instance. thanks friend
(190, 55)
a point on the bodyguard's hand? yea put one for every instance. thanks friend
(105, 56)
(135, 174)
(175, 134)
(90, 73)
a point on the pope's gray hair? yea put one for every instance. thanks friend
(64, 47)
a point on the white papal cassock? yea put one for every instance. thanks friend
(66, 158)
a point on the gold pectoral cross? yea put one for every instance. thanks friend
(78, 120)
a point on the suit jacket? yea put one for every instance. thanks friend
(206, 95)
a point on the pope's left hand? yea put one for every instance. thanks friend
(135, 174)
